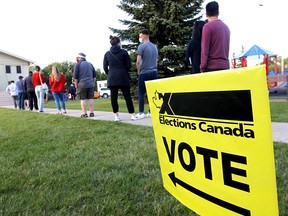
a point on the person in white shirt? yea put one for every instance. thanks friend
(13, 91)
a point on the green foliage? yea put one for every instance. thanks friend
(100, 75)
(169, 23)
(65, 67)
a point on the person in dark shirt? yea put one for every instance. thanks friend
(117, 64)
(72, 91)
(215, 41)
(193, 51)
(84, 76)
(30, 91)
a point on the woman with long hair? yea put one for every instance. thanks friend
(57, 82)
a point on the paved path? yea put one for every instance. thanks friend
(279, 130)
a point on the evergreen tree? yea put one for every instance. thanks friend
(170, 24)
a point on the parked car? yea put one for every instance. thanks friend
(282, 88)
(104, 92)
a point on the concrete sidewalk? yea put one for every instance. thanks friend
(279, 129)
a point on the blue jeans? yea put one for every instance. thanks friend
(142, 88)
(59, 98)
(21, 99)
(40, 97)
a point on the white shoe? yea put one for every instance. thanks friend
(148, 115)
(117, 119)
(140, 116)
(133, 117)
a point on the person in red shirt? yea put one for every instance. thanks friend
(57, 82)
(37, 80)
(215, 41)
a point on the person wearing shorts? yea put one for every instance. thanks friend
(84, 76)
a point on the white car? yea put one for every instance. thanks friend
(104, 92)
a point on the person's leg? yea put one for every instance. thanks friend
(35, 100)
(114, 102)
(37, 93)
(30, 99)
(57, 99)
(20, 99)
(62, 101)
(83, 97)
(141, 92)
(25, 101)
(15, 101)
(114, 99)
(128, 99)
(41, 94)
(90, 97)
(83, 106)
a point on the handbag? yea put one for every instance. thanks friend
(44, 85)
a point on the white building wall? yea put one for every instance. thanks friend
(13, 62)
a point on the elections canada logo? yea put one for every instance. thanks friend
(219, 112)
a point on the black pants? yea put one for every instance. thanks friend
(127, 96)
(32, 100)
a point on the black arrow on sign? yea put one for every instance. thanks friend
(208, 197)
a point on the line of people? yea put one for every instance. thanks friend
(116, 64)
(32, 89)
(208, 49)
(23, 93)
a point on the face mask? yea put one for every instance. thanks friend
(141, 40)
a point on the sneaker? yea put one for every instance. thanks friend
(117, 119)
(133, 117)
(148, 115)
(91, 115)
(140, 116)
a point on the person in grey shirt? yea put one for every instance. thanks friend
(146, 63)
(84, 76)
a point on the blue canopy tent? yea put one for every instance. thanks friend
(256, 50)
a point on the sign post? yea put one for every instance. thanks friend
(214, 141)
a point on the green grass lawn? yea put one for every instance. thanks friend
(58, 165)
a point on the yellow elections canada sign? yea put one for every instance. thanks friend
(214, 141)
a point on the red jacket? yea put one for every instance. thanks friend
(36, 79)
(57, 86)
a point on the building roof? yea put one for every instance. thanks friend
(16, 56)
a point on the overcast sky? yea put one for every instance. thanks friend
(56, 30)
